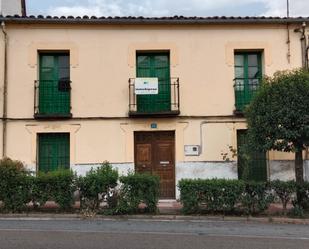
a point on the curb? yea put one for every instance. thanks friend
(49, 216)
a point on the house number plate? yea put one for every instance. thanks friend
(164, 162)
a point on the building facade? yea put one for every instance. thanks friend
(158, 95)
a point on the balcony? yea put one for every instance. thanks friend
(164, 103)
(245, 89)
(52, 99)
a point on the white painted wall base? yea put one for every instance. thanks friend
(284, 170)
(205, 170)
(123, 168)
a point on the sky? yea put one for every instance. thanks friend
(167, 7)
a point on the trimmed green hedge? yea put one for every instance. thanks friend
(285, 191)
(57, 186)
(217, 195)
(256, 197)
(302, 195)
(211, 195)
(127, 194)
(15, 185)
(19, 188)
(137, 189)
(97, 186)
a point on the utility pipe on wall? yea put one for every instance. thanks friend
(5, 83)
(304, 46)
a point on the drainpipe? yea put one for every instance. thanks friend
(5, 83)
(304, 46)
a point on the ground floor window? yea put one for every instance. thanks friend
(53, 151)
(251, 163)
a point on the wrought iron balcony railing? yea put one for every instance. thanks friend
(165, 103)
(52, 99)
(245, 89)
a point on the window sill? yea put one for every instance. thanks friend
(53, 116)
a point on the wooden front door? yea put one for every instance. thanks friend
(155, 154)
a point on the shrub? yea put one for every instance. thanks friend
(136, 189)
(55, 186)
(285, 191)
(256, 198)
(15, 184)
(296, 212)
(96, 185)
(302, 191)
(212, 194)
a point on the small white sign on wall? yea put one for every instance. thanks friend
(145, 86)
(192, 150)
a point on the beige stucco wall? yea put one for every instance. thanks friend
(93, 142)
(102, 62)
(103, 59)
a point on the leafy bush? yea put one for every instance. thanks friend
(285, 191)
(55, 186)
(136, 189)
(95, 185)
(211, 194)
(302, 191)
(296, 212)
(257, 197)
(15, 184)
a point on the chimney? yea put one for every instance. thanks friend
(13, 7)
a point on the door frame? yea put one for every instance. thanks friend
(174, 155)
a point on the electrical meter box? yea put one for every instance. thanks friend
(192, 150)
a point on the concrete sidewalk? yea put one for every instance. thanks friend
(190, 218)
(173, 207)
(168, 210)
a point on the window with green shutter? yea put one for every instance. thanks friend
(53, 151)
(54, 90)
(154, 65)
(248, 76)
(251, 164)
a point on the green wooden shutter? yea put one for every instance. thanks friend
(53, 151)
(254, 169)
(248, 75)
(155, 65)
(54, 87)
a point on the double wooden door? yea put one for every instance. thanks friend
(155, 154)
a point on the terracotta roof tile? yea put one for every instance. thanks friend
(152, 20)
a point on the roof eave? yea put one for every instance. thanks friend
(152, 21)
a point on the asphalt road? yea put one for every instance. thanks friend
(149, 234)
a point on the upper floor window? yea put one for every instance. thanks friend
(53, 90)
(161, 92)
(248, 76)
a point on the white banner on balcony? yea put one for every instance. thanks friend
(145, 86)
